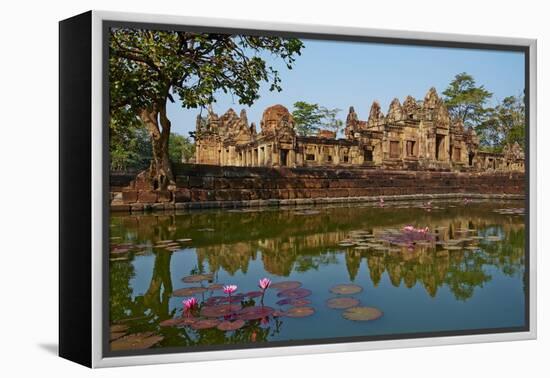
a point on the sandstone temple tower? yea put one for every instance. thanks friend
(414, 135)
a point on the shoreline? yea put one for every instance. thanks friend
(171, 207)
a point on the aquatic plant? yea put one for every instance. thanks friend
(189, 305)
(264, 284)
(229, 289)
(409, 236)
(363, 314)
(285, 285)
(346, 289)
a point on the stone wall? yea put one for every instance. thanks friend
(218, 185)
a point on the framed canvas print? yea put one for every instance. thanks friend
(234, 189)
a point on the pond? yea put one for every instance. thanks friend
(355, 270)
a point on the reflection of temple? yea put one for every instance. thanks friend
(284, 242)
(430, 266)
(413, 135)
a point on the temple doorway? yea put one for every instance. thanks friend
(284, 158)
(439, 146)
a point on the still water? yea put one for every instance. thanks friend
(459, 267)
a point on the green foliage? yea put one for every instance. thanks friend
(148, 67)
(465, 100)
(329, 120)
(129, 144)
(310, 118)
(180, 148)
(504, 124)
(307, 118)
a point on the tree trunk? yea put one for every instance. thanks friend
(160, 173)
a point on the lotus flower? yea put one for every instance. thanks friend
(229, 289)
(264, 283)
(409, 228)
(189, 304)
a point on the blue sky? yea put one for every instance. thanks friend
(343, 74)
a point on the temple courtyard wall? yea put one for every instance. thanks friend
(209, 186)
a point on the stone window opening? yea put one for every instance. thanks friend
(456, 154)
(310, 157)
(329, 158)
(394, 149)
(471, 158)
(346, 158)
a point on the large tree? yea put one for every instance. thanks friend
(149, 68)
(504, 124)
(310, 118)
(466, 100)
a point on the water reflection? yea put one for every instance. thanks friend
(472, 244)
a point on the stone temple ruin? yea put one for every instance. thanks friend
(415, 135)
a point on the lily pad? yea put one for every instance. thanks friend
(184, 240)
(282, 302)
(255, 312)
(198, 278)
(307, 212)
(253, 294)
(135, 341)
(117, 251)
(216, 311)
(300, 302)
(346, 289)
(362, 313)
(231, 325)
(188, 320)
(116, 335)
(295, 293)
(170, 322)
(342, 302)
(215, 286)
(285, 285)
(216, 300)
(300, 312)
(188, 291)
(205, 323)
(119, 328)
(278, 314)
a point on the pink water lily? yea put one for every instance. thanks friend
(189, 304)
(264, 283)
(229, 289)
(409, 228)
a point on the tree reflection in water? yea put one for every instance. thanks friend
(287, 241)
